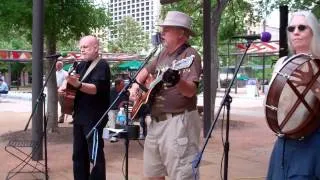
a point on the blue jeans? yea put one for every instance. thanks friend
(296, 159)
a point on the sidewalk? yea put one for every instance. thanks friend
(250, 139)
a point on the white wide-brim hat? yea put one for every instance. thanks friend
(178, 19)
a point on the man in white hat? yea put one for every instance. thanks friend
(174, 132)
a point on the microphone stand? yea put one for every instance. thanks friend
(124, 92)
(226, 101)
(42, 99)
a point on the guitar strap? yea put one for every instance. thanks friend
(91, 67)
(181, 49)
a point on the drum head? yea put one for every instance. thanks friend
(291, 110)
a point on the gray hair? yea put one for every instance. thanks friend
(313, 23)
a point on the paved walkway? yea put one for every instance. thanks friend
(250, 144)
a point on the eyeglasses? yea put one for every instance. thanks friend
(300, 28)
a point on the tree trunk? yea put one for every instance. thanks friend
(216, 14)
(52, 96)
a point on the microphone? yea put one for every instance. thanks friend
(54, 56)
(264, 37)
(156, 39)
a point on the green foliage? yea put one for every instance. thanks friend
(194, 9)
(232, 21)
(64, 20)
(115, 70)
(293, 5)
(130, 39)
(15, 42)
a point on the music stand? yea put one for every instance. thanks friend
(41, 99)
(226, 101)
(124, 92)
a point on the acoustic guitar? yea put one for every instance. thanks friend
(69, 96)
(146, 94)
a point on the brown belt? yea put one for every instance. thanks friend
(165, 116)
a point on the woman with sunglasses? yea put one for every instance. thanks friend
(299, 159)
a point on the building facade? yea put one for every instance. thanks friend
(145, 12)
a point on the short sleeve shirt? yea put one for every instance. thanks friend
(88, 109)
(170, 100)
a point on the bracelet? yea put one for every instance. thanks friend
(79, 86)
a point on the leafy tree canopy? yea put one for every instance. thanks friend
(130, 37)
(64, 20)
(232, 21)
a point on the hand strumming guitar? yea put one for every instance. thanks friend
(171, 77)
(134, 92)
(73, 80)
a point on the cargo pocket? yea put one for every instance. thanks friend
(181, 146)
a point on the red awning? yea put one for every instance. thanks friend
(260, 47)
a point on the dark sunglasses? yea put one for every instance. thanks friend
(300, 28)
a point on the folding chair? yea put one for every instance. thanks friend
(23, 151)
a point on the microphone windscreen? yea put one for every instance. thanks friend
(265, 37)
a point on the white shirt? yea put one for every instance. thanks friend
(61, 76)
(4, 86)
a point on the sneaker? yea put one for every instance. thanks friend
(113, 139)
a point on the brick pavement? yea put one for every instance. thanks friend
(250, 146)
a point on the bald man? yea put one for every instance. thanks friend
(91, 101)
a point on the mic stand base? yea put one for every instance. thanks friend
(226, 145)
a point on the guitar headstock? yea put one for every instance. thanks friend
(183, 63)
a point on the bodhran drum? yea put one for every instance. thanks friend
(293, 111)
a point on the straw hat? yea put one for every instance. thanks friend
(178, 19)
